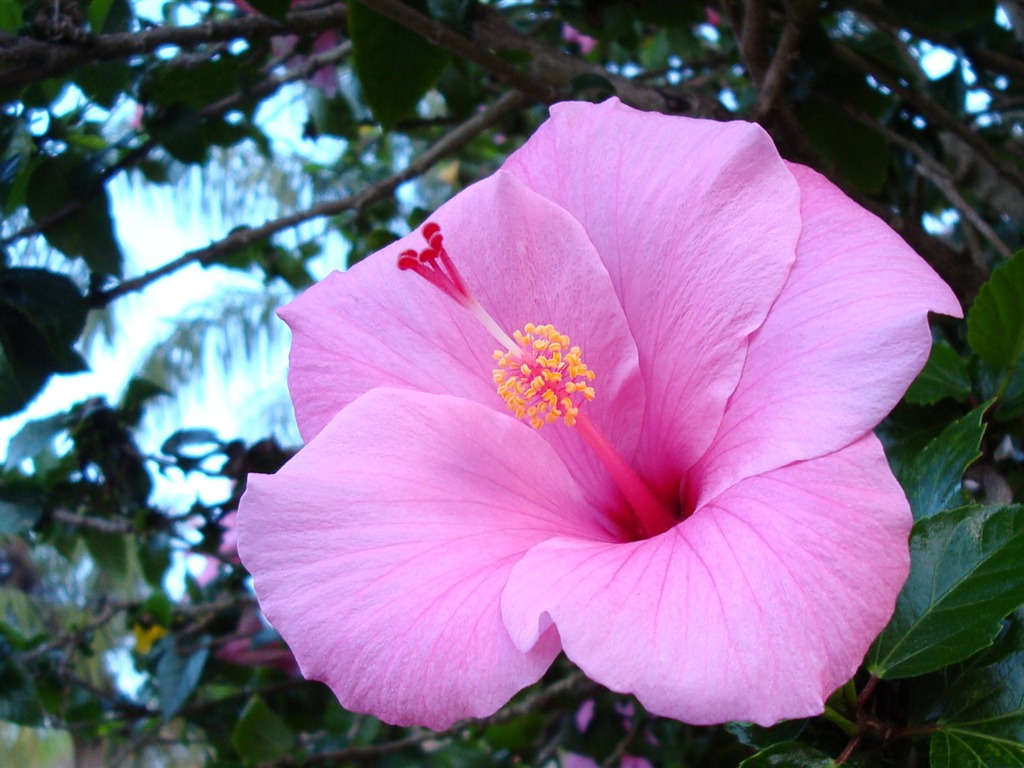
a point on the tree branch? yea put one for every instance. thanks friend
(34, 60)
(449, 143)
(753, 38)
(263, 88)
(551, 71)
(933, 113)
(786, 55)
(935, 172)
(444, 37)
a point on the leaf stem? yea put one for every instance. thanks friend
(849, 727)
(850, 695)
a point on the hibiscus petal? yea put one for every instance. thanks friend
(755, 608)
(526, 260)
(697, 222)
(380, 551)
(839, 348)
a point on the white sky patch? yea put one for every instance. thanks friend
(936, 61)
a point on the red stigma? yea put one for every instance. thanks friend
(435, 265)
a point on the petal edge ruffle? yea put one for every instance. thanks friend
(380, 550)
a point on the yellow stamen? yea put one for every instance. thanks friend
(544, 379)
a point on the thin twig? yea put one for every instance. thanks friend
(932, 170)
(75, 637)
(451, 142)
(99, 524)
(945, 185)
(778, 71)
(848, 752)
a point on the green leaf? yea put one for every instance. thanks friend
(789, 754)
(111, 16)
(136, 395)
(451, 13)
(104, 82)
(944, 375)
(995, 322)
(933, 479)
(859, 155)
(275, 9)
(965, 577)
(942, 17)
(41, 315)
(197, 85)
(89, 232)
(98, 11)
(33, 438)
(187, 136)
(177, 676)
(260, 735)
(760, 737)
(982, 721)
(395, 66)
(19, 701)
(21, 506)
(176, 444)
(10, 16)
(108, 550)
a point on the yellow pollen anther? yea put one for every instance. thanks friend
(545, 379)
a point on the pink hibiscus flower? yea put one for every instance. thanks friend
(709, 525)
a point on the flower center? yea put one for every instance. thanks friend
(545, 379)
(542, 379)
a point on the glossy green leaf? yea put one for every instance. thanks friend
(944, 375)
(995, 322)
(788, 754)
(260, 734)
(89, 232)
(965, 577)
(933, 479)
(395, 66)
(982, 712)
(177, 675)
(759, 737)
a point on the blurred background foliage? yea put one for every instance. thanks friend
(289, 139)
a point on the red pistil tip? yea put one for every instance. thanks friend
(545, 379)
(435, 265)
